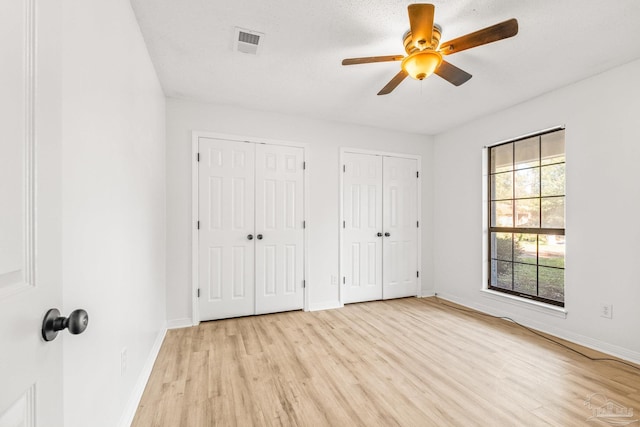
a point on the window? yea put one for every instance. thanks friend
(527, 217)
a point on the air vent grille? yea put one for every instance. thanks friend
(247, 41)
(248, 38)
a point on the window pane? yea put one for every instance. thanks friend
(527, 193)
(526, 246)
(502, 214)
(502, 158)
(527, 153)
(552, 180)
(551, 283)
(502, 186)
(527, 183)
(501, 274)
(553, 212)
(553, 147)
(551, 250)
(524, 278)
(528, 213)
(502, 246)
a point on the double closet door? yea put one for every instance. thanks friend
(380, 227)
(251, 238)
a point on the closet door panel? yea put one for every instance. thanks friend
(226, 212)
(279, 228)
(400, 213)
(362, 215)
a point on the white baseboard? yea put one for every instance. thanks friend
(327, 305)
(179, 323)
(136, 394)
(594, 344)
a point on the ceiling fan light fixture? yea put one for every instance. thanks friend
(421, 64)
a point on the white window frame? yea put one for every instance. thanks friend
(534, 305)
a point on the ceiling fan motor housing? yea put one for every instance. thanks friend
(410, 47)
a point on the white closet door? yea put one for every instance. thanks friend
(400, 228)
(362, 214)
(279, 228)
(226, 213)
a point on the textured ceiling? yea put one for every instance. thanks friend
(298, 70)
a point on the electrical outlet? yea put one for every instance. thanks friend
(606, 310)
(123, 361)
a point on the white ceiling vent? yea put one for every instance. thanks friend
(247, 41)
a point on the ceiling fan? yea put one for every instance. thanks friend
(424, 50)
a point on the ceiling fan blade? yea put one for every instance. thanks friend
(370, 59)
(490, 34)
(421, 22)
(394, 82)
(452, 74)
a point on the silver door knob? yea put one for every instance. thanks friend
(387, 234)
(259, 237)
(250, 237)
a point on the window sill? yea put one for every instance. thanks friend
(537, 306)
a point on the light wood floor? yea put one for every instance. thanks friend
(408, 362)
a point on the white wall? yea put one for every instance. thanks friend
(324, 140)
(113, 204)
(602, 206)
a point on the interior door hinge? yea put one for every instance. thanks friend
(344, 280)
(344, 168)
(344, 224)
(198, 292)
(304, 165)
(198, 225)
(304, 224)
(198, 156)
(417, 274)
(418, 224)
(418, 174)
(304, 284)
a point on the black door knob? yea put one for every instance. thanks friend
(379, 234)
(250, 237)
(53, 323)
(387, 234)
(259, 236)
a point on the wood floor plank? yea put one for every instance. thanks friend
(407, 362)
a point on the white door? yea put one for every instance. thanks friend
(279, 228)
(400, 226)
(380, 227)
(362, 227)
(251, 237)
(30, 192)
(226, 234)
